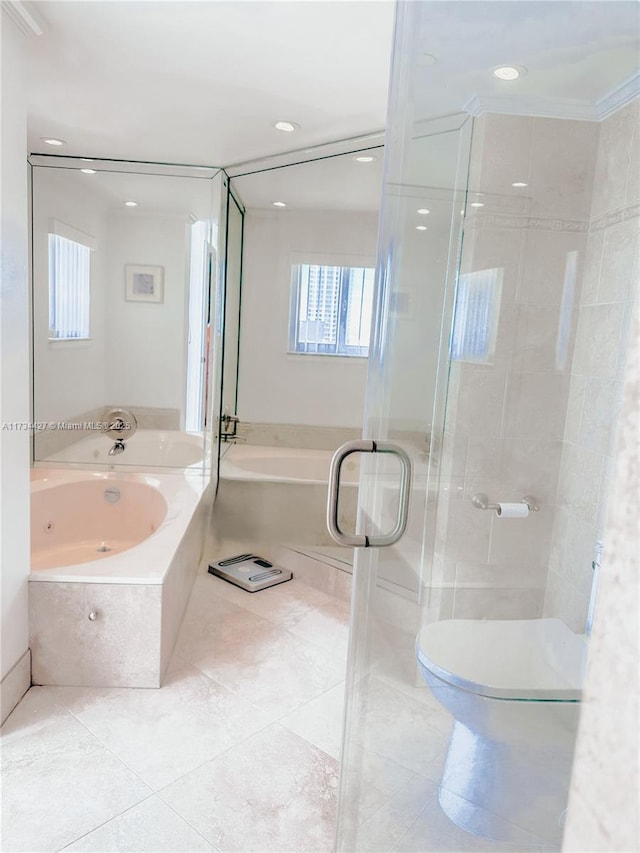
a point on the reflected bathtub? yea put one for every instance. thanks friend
(147, 449)
(279, 495)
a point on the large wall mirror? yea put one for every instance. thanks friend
(124, 265)
(310, 234)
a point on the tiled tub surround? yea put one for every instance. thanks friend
(279, 494)
(509, 420)
(136, 597)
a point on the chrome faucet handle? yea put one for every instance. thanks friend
(119, 424)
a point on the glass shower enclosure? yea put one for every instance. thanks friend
(507, 272)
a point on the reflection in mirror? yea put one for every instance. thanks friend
(122, 269)
(309, 251)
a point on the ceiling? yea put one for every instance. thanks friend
(203, 82)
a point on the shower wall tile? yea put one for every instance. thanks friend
(468, 533)
(544, 264)
(502, 603)
(618, 136)
(535, 405)
(592, 267)
(480, 401)
(497, 576)
(521, 544)
(562, 157)
(537, 337)
(530, 466)
(579, 482)
(610, 283)
(601, 403)
(618, 280)
(503, 153)
(575, 405)
(598, 340)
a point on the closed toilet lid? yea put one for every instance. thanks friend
(538, 659)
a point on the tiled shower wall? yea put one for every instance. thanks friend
(505, 421)
(610, 282)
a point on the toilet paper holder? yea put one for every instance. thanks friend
(481, 501)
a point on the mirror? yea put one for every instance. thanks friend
(123, 260)
(321, 212)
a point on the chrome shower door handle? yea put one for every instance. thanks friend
(359, 540)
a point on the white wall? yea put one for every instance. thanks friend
(70, 375)
(275, 386)
(14, 354)
(146, 343)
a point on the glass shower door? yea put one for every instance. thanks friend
(505, 291)
(395, 735)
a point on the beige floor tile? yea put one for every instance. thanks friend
(58, 784)
(149, 827)
(163, 734)
(274, 792)
(320, 720)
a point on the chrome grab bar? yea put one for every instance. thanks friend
(359, 540)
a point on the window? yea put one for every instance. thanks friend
(330, 309)
(69, 292)
(475, 319)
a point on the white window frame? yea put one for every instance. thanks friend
(69, 263)
(345, 273)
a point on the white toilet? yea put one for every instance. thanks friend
(514, 689)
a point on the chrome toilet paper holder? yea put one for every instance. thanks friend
(481, 501)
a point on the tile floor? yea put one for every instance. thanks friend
(238, 751)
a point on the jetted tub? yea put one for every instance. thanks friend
(103, 617)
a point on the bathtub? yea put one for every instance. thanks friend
(279, 495)
(114, 556)
(284, 465)
(147, 449)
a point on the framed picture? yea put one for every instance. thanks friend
(144, 284)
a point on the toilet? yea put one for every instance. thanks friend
(513, 688)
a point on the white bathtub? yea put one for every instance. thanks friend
(110, 618)
(279, 494)
(147, 449)
(283, 465)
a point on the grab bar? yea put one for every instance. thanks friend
(361, 540)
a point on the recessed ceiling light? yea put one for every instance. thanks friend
(508, 72)
(88, 171)
(51, 140)
(364, 158)
(519, 184)
(421, 227)
(131, 203)
(286, 126)
(477, 204)
(423, 211)
(87, 159)
(279, 204)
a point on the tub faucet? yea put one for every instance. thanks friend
(118, 447)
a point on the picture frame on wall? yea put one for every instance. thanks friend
(144, 283)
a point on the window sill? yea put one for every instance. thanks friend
(68, 340)
(325, 355)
